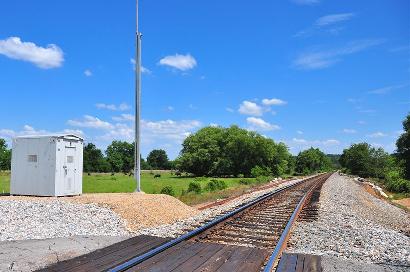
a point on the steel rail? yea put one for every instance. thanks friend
(143, 257)
(285, 234)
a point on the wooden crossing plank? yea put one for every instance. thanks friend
(171, 260)
(137, 245)
(255, 260)
(203, 256)
(217, 260)
(236, 259)
(295, 262)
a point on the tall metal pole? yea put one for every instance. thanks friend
(137, 156)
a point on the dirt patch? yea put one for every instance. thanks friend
(404, 202)
(371, 191)
(140, 210)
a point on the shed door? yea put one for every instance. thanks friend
(69, 169)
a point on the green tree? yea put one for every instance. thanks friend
(120, 155)
(312, 160)
(5, 156)
(218, 151)
(403, 147)
(94, 160)
(357, 159)
(366, 161)
(158, 159)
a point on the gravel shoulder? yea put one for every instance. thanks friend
(355, 226)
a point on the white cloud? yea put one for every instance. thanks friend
(144, 70)
(360, 122)
(323, 59)
(388, 89)
(349, 131)
(250, 108)
(328, 146)
(326, 24)
(333, 18)
(180, 62)
(88, 73)
(273, 102)
(230, 109)
(170, 108)
(260, 124)
(29, 130)
(90, 122)
(125, 117)
(377, 134)
(299, 132)
(43, 57)
(306, 2)
(120, 107)
(331, 142)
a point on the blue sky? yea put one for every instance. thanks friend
(305, 72)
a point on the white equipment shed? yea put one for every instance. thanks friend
(50, 165)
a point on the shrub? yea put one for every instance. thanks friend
(195, 187)
(263, 179)
(215, 184)
(157, 175)
(168, 190)
(395, 183)
(245, 181)
(258, 171)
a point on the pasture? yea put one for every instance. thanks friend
(120, 183)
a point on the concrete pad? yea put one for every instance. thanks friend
(30, 255)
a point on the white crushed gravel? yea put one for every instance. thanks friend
(354, 225)
(22, 219)
(182, 226)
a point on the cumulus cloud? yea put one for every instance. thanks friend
(88, 73)
(180, 62)
(273, 102)
(8, 134)
(144, 70)
(260, 124)
(89, 121)
(125, 117)
(377, 134)
(43, 57)
(250, 108)
(120, 107)
(329, 146)
(324, 59)
(349, 131)
(333, 18)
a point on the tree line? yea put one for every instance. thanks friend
(119, 157)
(393, 170)
(233, 151)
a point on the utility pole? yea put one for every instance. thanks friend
(137, 156)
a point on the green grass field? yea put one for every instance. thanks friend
(119, 183)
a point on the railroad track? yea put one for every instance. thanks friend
(263, 224)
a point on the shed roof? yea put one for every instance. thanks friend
(60, 136)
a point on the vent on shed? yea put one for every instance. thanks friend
(32, 158)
